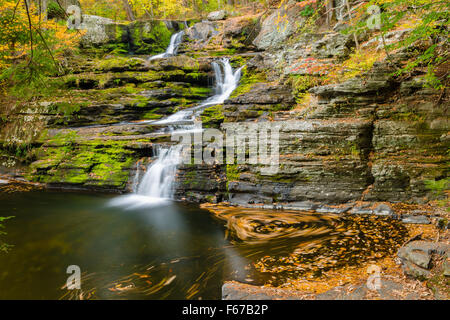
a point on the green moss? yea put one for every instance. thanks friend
(223, 52)
(247, 82)
(119, 63)
(66, 110)
(190, 178)
(152, 115)
(65, 158)
(149, 37)
(213, 116)
(238, 61)
(301, 84)
(200, 91)
(232, 172)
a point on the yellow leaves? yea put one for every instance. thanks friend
(358, 63)
(15, 32)
(167, 8)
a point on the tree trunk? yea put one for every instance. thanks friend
(42, 8)
(128, 10)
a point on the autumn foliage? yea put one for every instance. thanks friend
(30, 45)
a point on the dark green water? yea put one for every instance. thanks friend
(171, 252)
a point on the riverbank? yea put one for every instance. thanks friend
(401, 278)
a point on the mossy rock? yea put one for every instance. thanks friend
(66, 159)
(213, 116)
(247, 82)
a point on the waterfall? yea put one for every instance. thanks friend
(157, 184)
(226, 80)
(137, 177)
(158, 180)
(172, 49)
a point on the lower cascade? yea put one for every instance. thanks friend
(159, 178)
(157, 185)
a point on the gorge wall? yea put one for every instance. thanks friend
(374, 136)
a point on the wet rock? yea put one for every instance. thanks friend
(307, 171)
(263, 93)
(217, 15)
(243, 199)
(415, 219)
(383, 210)
(361, 210)
(339, 210)
(239, 291)
(416, 257)
(180, 62)
(200, 183)
(302, 205)
(389, 291)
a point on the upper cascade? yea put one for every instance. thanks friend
(157, 184)
(226, 78)
(172, 49)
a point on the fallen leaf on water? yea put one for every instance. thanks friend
(169, 281)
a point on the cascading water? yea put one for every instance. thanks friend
(227, 81)
(157, 184)
(172, 49)
(158, 180)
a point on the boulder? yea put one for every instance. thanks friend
(383, 210)
(202, 31)
(99, 30)
(274, 31)
(447, 268)
(415, 219)
(217, 15)
(416, 257)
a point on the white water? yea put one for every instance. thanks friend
(172, 49)
(157, 185)
(227, 81)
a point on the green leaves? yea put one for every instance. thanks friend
(427, 36)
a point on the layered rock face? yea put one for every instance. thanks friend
(369, 138)
(91, 133)
(138, 37)
(372, 137)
